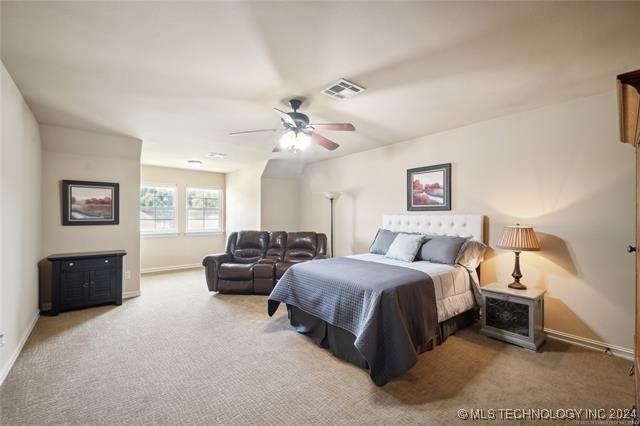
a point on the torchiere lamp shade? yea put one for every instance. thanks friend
(331, 195)
(519, 238)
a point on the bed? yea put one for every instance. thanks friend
(380, 313)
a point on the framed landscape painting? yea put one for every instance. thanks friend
(429, 188)
(89, 203)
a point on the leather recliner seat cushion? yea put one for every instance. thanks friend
(277, 246)
(301, 246)
(263, 274)
(249, 246)
(236, 272)
(263, 270)
(281, 268)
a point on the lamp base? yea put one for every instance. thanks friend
(517, 285)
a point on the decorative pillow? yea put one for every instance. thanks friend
(405, 247)
(471, 254)
(442, 249)
(383, 241)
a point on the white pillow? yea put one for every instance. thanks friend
(405, 247)
(471, 254)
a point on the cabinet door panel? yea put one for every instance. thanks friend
(74, 288)
(102, 285)
(507, 315)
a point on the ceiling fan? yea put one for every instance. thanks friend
(299, 134)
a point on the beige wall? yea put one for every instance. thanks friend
(243, 189)
(174, 251)
(559, 168)
(279, 204)
(20, 202)
(80, 155)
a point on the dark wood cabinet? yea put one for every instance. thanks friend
(78, 280)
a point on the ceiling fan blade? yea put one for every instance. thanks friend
(286, 118)
(277, 148)
(338, 127)
(253, 131)
(323, 142)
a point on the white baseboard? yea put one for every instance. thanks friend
(619, 351)
(14, 356)
(130, 294)
(170, 268)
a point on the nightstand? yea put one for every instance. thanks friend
(515, 316)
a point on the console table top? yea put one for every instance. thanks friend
(86, 255)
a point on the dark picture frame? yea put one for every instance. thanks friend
(429, 188)
(90, 203)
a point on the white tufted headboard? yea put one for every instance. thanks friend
(463, 225)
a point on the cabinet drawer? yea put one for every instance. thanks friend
(70, 265)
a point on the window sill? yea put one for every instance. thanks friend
(160, 235)
(202, 233)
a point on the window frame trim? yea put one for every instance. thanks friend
(165, 233)
(221, 226)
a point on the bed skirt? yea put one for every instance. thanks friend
(341, 342)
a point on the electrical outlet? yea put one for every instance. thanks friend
(127, 275)
(1, 339)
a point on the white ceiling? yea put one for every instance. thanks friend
(182, 75)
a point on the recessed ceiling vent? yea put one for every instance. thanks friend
(343, 89)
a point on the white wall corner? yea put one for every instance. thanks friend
(14, 356)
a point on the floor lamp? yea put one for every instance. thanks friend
(332, 196)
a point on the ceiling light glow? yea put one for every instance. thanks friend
(194, 164)
(295, 141)
(218, 155)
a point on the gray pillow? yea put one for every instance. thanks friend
(383, 241)
(441, 249)
(471, 254)
(405, 247)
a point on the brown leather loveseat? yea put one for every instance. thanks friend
(254, 260)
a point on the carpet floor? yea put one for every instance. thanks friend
(178, 354)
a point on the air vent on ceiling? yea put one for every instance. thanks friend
(343, 89)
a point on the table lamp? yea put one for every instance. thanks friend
(518, 238)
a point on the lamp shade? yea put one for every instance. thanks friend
(331, 195)
(518, 238)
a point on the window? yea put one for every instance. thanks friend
(204, 209)
(158, 209)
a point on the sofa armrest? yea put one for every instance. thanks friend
(320, 256)
(267, 261)
(211, 265)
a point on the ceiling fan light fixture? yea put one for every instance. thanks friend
(194, 164)
(288, 140)
(303, 141)
(295, 141)
(217, 155)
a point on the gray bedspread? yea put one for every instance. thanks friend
(390, 310)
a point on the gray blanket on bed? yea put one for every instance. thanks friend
(390, 310)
